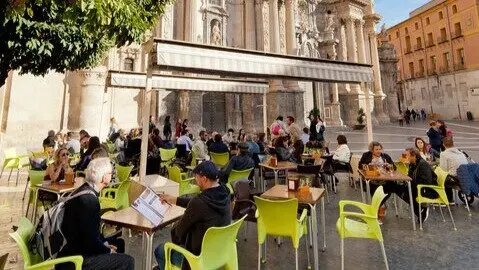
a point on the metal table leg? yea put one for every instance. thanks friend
(35, 205)
(149, 250)
(368, 191)
(323, 223)
(411, 205)
(261, 179)
(314, 232)
(276, 177)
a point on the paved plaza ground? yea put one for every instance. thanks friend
(437, 247)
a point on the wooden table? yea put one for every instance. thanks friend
(282, 166)
(131, 219)
(391, 176)
(161, 184)
(57, 188)
(281, 192)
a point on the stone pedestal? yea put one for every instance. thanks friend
(379, 109)
(184, 103)
(92, 117)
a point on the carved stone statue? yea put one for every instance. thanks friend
(215, 33)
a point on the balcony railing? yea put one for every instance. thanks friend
(457, 34)
(430, 43)
(441, 40)
(459, 66)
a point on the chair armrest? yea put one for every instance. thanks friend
(303, 216)
(256, 214)
(364, 207)
(190, 257)
(77, 260)
(364, 217)
(188, 180)
(434, 187)
(105, 191)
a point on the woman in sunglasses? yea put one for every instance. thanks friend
(56, 170)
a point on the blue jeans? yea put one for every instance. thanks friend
(176, 257)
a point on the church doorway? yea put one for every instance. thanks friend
(214, 112)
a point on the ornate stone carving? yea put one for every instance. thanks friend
(266, 37)
(216, 37)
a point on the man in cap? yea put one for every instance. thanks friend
(240, 162)
(211, 208)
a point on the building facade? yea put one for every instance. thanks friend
(438, 60)
(330, 29)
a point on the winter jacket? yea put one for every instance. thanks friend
(211, 208)
(435, 138)
(315, 133)
(468, 175)
(421, 173)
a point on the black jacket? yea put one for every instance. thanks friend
(237, 163)
(313, 134)
(218, 147)
(211, 208)
(81, 226)
(367, 157)
(421, 173)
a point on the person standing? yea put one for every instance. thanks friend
(316, 130)
(167, 128)
(407, 116)
(434, 135)
(178, 129)
(113, 127)
(279, 128)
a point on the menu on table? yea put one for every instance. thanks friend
(150, 206)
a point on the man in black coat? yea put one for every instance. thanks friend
(81, 225)
(211, 208)
(240, 162)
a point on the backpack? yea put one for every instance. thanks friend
(276, 128)
(48, 239)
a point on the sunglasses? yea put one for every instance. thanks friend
(64, 155)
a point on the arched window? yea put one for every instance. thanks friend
(129, 64)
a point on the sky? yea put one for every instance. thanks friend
(395, 11)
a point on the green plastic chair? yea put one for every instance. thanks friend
(237, 175)
(34, 178)
(194, 156)
(111, 148)
(368, 227)
(123, 172)
(167, 156)
(220, 159)
(115, 198)
(441, 200)
(279, 218)
(34, 261)
(402, 167)
(175, 174)
(14, 161)
(218, 249)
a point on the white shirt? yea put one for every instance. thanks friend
(305, 138)
(342, 153)
(228, 138)
(184, 139)
(450, 159)
(199, 147)
(119, 144)
(74, 144)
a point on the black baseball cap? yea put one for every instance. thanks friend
(208, 169)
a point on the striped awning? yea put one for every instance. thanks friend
(180, 56)
(138, 80)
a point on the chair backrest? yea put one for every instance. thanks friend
(441, 176)
(276, 217)
(123, 172)
(376, 200)
(40, 154)
(174, 173)
(401, 167)
(121, 196)
(36, 177)
(236, 175)
(111, 148)
(167, 154)
(9, 153)
(220, 159)
(22, 236)
(181, 151)
(194, 155)
(219, 245)
(355, 164)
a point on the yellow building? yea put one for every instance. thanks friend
(439, 58)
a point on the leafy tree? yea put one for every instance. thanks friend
(361, 116)
(41, 35)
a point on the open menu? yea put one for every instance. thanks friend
(150, 206)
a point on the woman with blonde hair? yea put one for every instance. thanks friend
(56, 171)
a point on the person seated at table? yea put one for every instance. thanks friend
(305, 135)
(420, 173)
(185, 139)
(282, 150)
(229, 137)
(450, 159)
(72, 144)
(242, 161)
(218, 146)
(156, 140)
(93, 144)
(261, 142)
(342, 155)
(56, 171)
(81, 225)
(84, 139)
(211, 139)
(211, 208)
(427, 152)
(49, 141)
(375, 156)
(199, 146)
(253, 148)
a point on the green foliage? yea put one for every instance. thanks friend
(314, 112)
(41, 35)
(361, 116)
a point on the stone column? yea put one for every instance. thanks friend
(290, 39)
(238, 24)
(379, 95)
(275, 46)
(351, 41)
(191, 20)
(360, 41)
(184, 102)
(91, 116)
(258, 6)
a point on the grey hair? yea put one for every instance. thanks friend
(249, 138)
(97, 169)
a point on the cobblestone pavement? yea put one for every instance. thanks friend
(438, 246)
